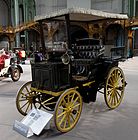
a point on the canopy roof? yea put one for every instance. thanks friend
(81, 14)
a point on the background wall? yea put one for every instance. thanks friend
(48, 6)
(116, 6)
(3, 14)
(79, 3)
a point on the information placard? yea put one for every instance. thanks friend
(34, 122)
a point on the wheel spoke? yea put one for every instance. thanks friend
(77, 112)
(75, 100)
(110, 85)
(31, 105)
(27, 107)
(119, 75)
(116, 74)
(64, 103)
(27, 89)
(113, 77)
(122, 80)
(72, 117)
(68, 98)
(110, 99)
(24, 95)
(114, 99)
(76, 105)
(21, 100)
(69, 123)
(116, 96)
(72, 97)
(62, 108)
(65, 122)
(61, 114)
(111, 80)
(25, 104)
(64, 117)
(109, 92)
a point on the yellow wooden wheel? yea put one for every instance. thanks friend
(68, 110)
(114, 88)
(26, 99)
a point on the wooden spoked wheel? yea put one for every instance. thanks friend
(114, 87)
(68, 110)
(26, 99)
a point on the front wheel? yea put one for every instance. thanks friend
(68, 110)
(15, 74)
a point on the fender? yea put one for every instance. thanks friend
(20, 68)
(15, 66)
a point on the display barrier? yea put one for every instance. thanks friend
(33, 123)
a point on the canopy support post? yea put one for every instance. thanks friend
(68, 37)
(42, 38)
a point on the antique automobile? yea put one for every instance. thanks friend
(8, 65)
(69, 73)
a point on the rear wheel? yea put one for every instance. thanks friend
(114, 87)
(15, 74)
(68, 110)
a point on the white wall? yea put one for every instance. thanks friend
(115, 6)
(48, 6)
(79, 3)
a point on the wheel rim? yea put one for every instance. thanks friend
(26, 99)
(114, 88)
(68, 110)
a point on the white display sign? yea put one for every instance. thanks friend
(22, 129)
(33, 123)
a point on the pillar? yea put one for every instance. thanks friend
(16, 11)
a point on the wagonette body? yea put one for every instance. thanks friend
(67, 74)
